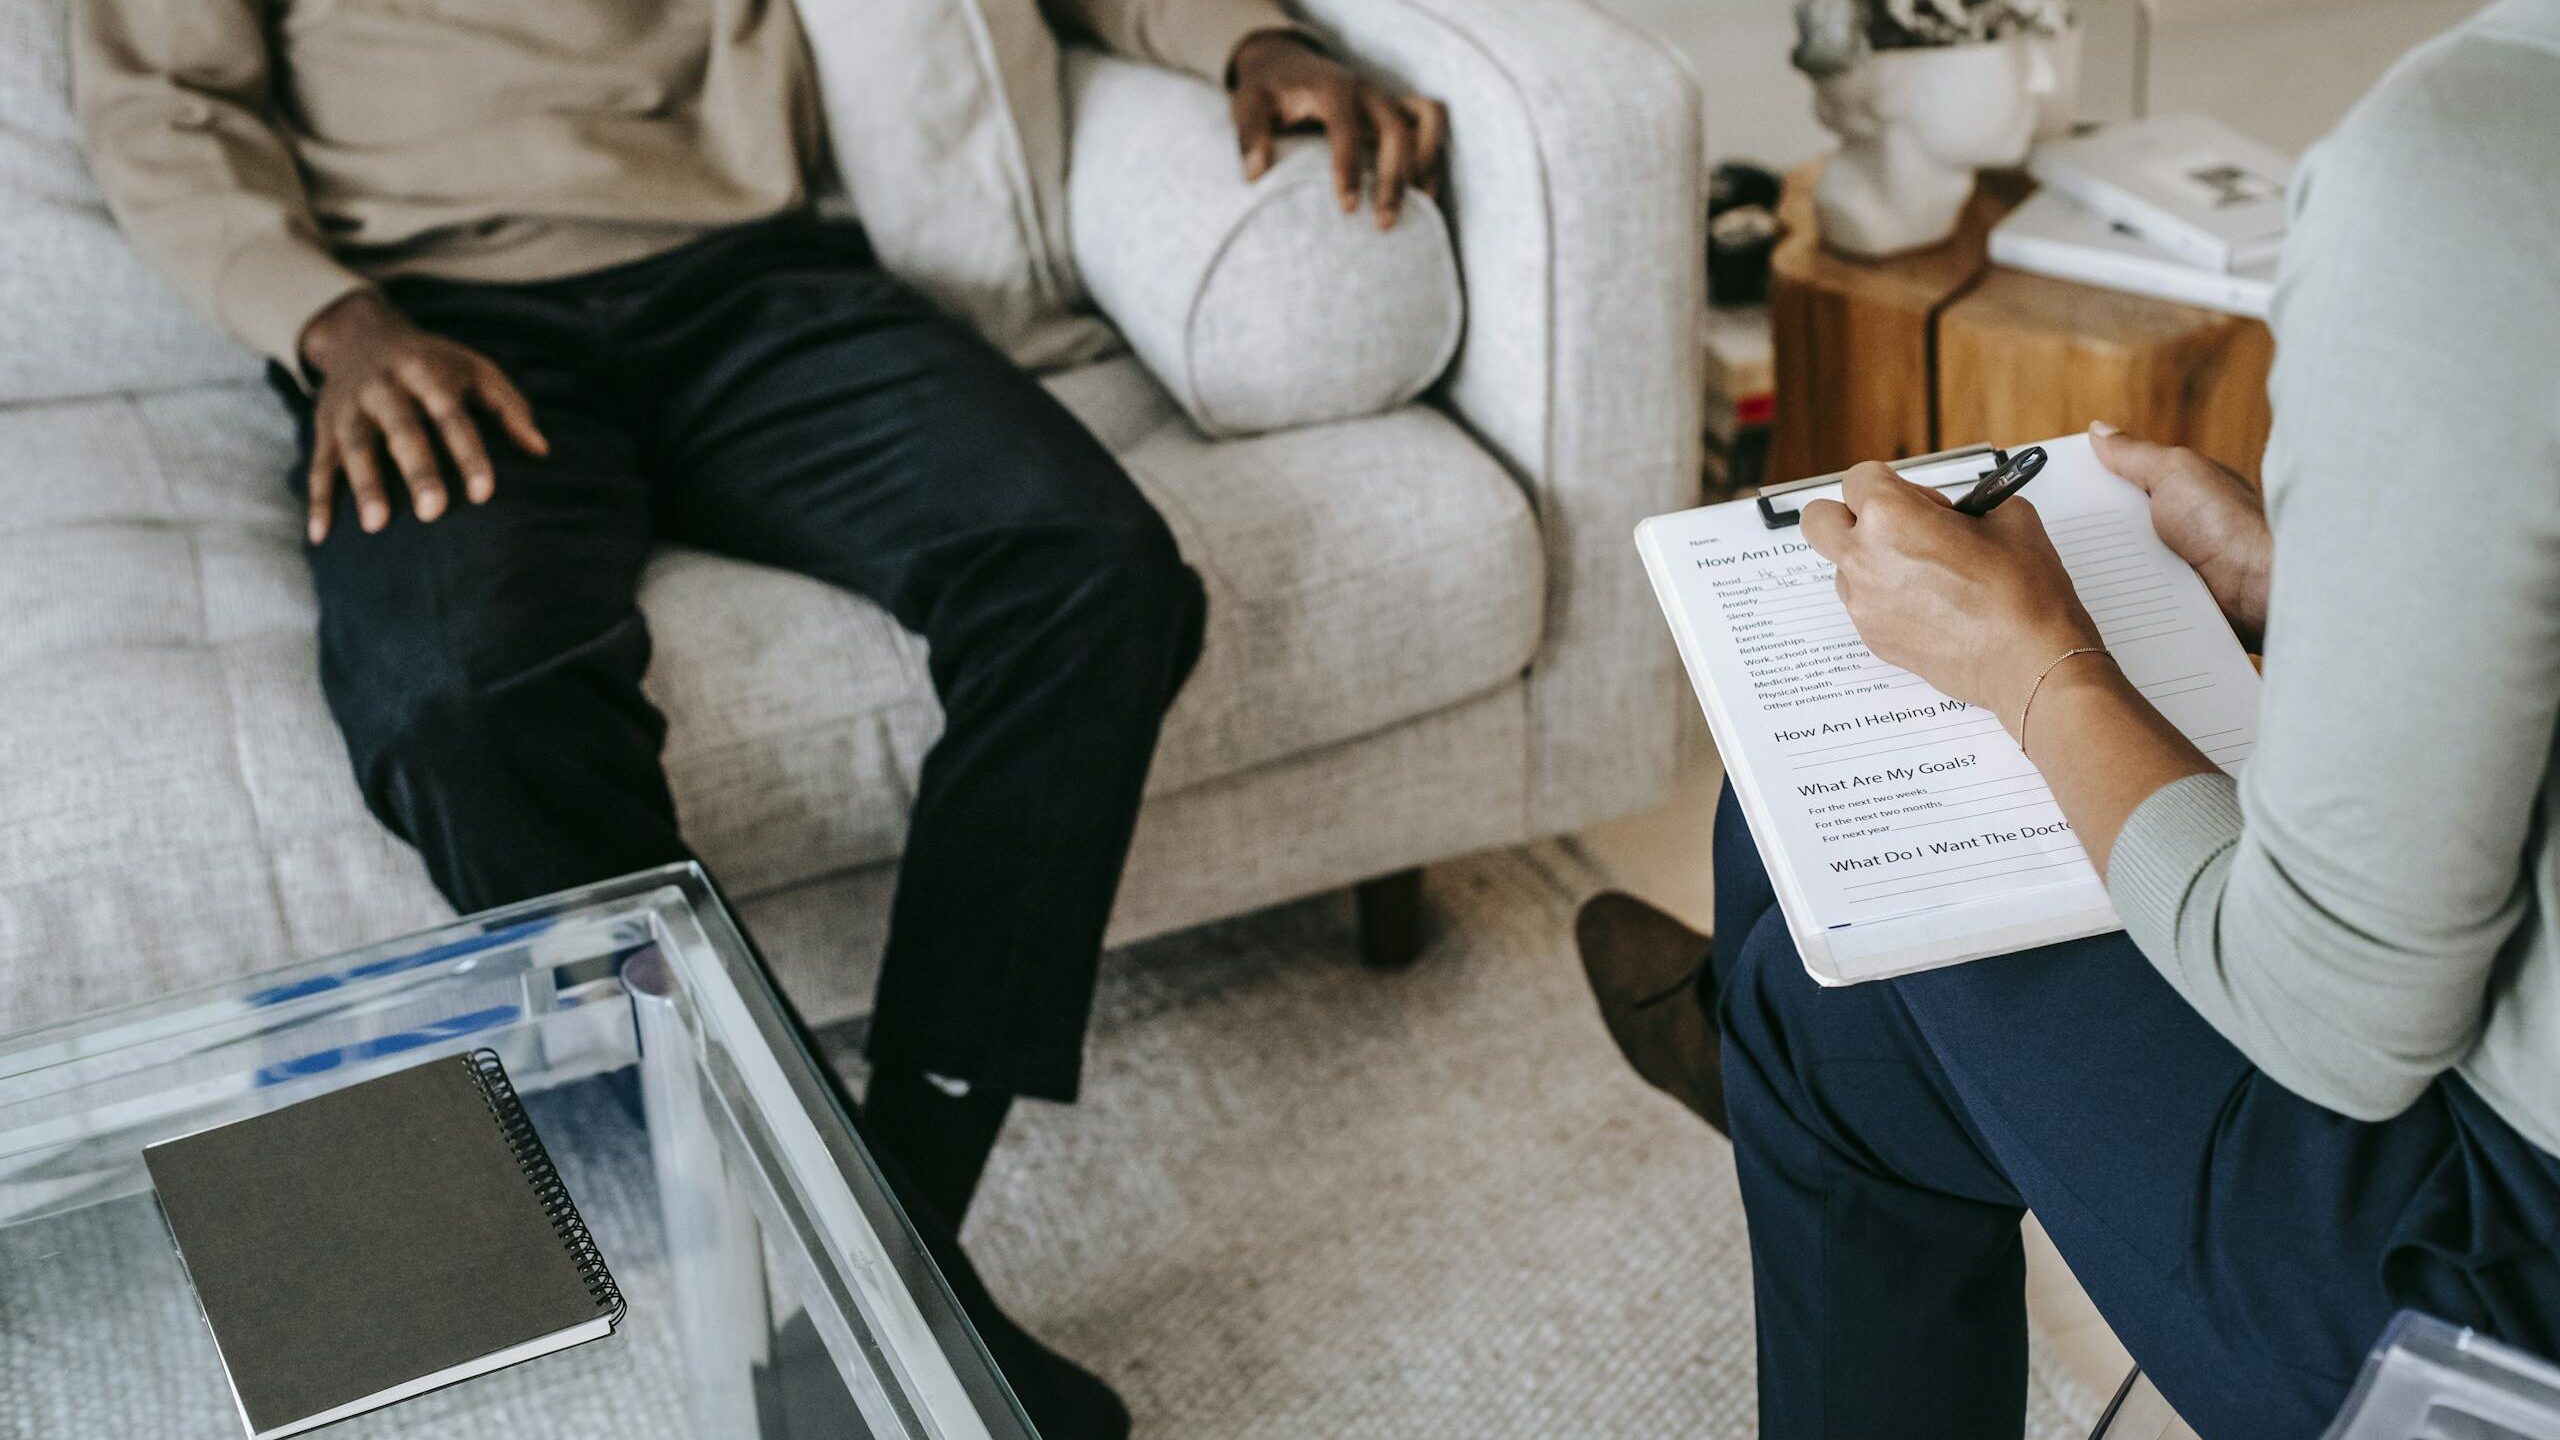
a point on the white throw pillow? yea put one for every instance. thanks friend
(80, 314)
(950, 136)
(1258, 306)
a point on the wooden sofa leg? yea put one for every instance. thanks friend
(1391, 920)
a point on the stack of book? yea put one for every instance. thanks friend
(2180, 207)
(1741, 386)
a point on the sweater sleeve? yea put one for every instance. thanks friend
(1200, 36)
(2340, 913)
(173, 102)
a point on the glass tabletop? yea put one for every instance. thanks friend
(775, 1288)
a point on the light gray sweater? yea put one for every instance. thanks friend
(2378, 900)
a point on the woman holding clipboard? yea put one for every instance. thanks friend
(2317, 1077)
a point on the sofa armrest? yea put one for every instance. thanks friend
(1577, 190)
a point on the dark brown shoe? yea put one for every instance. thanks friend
(1648, 972)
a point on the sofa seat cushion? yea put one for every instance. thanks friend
(1359, 574)
(174, 796)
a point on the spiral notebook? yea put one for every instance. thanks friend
(379, 1242)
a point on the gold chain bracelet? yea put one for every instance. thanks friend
(2033, 690)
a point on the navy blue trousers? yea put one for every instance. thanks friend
(2247, 1244)
(770, 393)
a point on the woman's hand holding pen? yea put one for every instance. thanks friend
(1977, 607)
(2206, 514)
(1982, 608)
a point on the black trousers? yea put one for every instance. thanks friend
(2248, 1245)
(768, 392)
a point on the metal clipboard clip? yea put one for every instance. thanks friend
(1774, 518)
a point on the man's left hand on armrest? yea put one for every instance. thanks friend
(1278, 80)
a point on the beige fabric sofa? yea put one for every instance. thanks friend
(1427, 632)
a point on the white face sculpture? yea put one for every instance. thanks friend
(1915, 124)
(1970, 107)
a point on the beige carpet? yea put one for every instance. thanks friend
(1300, 1199)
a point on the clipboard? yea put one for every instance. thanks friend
(1901, 828)
(1773, 518)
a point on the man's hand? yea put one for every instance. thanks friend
(1281, 82)
(2208, 516)
(384, 384)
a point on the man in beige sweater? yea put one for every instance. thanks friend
(539, 282)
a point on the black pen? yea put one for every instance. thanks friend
(2005, 480)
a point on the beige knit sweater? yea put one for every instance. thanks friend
(270, 156)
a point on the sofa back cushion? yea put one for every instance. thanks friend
(80, 314)
(949, 134)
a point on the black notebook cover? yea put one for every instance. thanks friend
(379, 1241)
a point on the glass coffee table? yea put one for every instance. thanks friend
(776, 1290)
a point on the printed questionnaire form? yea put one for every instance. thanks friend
(1904, 829)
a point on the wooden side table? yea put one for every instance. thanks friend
(1940, 348)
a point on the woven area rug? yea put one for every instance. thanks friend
(1302, 1199)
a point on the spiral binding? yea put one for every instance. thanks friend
(499, 1093)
